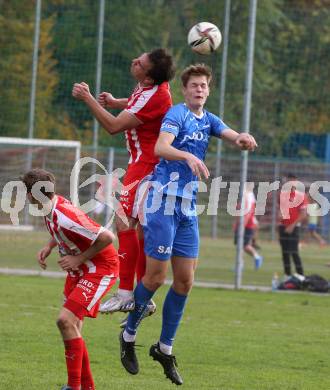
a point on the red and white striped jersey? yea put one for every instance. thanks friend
(149, 105)
(250, 220)
(74, 232)
(250, 204)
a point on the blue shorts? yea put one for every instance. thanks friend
(170, 235)
(312, 227)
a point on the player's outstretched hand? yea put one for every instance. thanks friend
(68, 263)
(80, 91)
(106, 99)
(246, 141)
(197, 166)
(42, 255)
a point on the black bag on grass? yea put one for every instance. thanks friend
(292, 283)
(316, 283)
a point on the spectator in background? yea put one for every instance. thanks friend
(313, 208)
(293, 210)
(250, 225)
(255, 241)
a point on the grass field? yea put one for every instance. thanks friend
(227, 340)
(216, 258)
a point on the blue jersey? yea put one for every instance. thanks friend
(192, 134)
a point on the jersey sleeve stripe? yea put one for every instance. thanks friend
(85, 231)
(68, 236)
(138, 104)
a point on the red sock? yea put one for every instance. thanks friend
(141, 263)
(128, 254)
(74, 356)
(87, 382)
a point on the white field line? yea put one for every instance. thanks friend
(59, 274)
(226, 286)
(30, 272)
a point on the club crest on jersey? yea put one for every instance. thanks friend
(197, 136)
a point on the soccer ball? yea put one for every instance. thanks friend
(204, 38)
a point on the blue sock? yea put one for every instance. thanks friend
(141, 296)
(172, 313)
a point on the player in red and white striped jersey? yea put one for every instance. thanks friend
(140, 119)
(250, 225)
(148, 105)
(91, 262)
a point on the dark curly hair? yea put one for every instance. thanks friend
(163, 68)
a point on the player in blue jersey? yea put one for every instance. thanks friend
(170, 224)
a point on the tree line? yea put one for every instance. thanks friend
(290, 85)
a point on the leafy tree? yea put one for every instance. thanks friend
(290, 83)
(15, 75)
(15, 67)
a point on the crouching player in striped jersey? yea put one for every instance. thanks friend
(91, 262)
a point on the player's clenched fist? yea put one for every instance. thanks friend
(68, 263)
(80, 91)
(106, 99)
(246, 141)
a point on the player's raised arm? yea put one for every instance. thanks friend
(243, 141)
(108, 121)
(107, 100)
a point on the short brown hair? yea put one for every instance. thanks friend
(163, 68)
(33, 176)
(196, 70)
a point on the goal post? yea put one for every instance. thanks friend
(17, 155)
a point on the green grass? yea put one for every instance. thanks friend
(217, 258)
(227, 340)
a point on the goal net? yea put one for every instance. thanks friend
(18, 155)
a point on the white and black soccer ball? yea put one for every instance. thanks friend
(204, 38)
